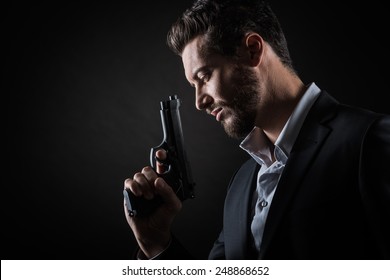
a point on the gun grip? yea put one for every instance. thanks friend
(139, 206)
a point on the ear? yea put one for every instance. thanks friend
(254, 44)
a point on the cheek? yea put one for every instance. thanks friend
(224, 89)
(215, 89)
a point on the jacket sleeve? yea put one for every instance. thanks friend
(174, 251)
(375, 181)
(218, 250)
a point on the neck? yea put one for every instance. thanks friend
(283, 91)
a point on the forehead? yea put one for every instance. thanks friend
(193, 57)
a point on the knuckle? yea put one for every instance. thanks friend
(146, 170)
(128, 182)
(138, 176)
(149, 174)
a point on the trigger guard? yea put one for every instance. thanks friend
(154, 159)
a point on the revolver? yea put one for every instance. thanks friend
(178, 173)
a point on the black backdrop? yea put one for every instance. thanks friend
(81, 87)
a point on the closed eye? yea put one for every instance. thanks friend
(203, 76)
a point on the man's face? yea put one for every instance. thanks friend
(224, 88)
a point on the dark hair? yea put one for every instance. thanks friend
(224, 23)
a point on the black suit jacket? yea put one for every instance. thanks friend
(332, 200)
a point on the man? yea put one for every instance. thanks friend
(317, 185)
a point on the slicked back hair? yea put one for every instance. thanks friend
(224, 23)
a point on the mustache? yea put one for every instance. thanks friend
(221, 104)
(215, 106)
(234, 104)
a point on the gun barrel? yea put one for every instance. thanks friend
(174, 140)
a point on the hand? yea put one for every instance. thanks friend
(153, 232)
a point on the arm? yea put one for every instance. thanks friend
(174, 251)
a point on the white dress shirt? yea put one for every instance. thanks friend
(260, 148)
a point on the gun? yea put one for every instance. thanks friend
(178, 170)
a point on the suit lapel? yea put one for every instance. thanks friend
(237, 212)
(309, 140)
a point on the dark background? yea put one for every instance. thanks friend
(81, 87)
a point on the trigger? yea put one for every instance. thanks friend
(162, 161)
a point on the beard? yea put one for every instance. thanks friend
(241, 111)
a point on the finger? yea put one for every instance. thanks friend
(133, 186)
(161, 155)
(149, 174)
(144, 186)
(172, 202)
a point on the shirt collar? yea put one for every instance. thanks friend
(259, 147)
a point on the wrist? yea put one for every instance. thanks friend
(152, 252)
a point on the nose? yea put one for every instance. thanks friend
(202, 100)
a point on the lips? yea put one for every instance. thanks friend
(217, 112)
